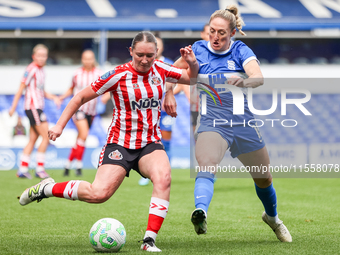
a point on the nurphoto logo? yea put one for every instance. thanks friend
(238, 103)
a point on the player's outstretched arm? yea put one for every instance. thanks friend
(169, 102)
(78, 100)
(189, 74)
(55, 98)
(255, 77)
(16, 99)
(68, 93)
(105, 97)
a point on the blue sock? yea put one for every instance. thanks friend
(268, 199)
(204, 190)
(166, 144)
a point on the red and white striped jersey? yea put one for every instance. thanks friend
(82, 79)
(137, 102)
(34, 79)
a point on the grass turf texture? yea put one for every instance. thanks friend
(308, 207)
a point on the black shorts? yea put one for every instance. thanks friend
(80, 115)
(115, 154)
(36, 116)
(194, 116)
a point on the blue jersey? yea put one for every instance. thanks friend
(217, 97)
(166, 60)
(214, 70)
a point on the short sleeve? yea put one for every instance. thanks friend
(28, 75)
(174, 74)
(107, 82)
(246, 54)
(194, 47)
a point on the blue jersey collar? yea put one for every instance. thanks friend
(220, 52)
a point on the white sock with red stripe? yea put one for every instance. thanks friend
(25, 160)
(40, 162)
(157, 212)
(80, 149)
(68, 190)
(79, 164)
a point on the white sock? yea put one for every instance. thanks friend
(68, 190)
(24, 158)
(79, 164)
(48, 190)
(157, 212)
(40, 162)
(68, 164)
(274, 219)
(151, 234)
(71, 190)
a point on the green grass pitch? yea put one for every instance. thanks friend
(308, 207)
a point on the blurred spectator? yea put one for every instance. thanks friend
(84, 116)
(19, 129)
(33, 84)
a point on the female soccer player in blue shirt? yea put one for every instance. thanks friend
(225, 65)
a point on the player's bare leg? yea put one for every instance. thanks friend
(78, 150)
(33, 137)
(25, 157)
(107, 181)
(42, 130)
(157, 168)
(210, 150)
(265, 191)
(166, 137)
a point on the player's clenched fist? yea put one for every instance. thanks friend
(54, 132)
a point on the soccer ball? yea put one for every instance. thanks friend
(107, 235)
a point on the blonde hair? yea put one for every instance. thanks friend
(39, 46)
(232, 15)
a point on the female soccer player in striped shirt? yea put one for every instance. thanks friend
(133, 139)
(83, 118)
(33, 83)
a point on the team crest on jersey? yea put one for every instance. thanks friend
(135, 86)
(26, 74)
(231, 65)
(116, 155)
(156, 81)
(107, 74)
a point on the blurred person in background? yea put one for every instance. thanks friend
(19, 128)
(83, 118)
(33, 84)
(133, 140)
(205, 32)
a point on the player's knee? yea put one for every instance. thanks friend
(208, 160)
(264, 182)
(45, 140)
(83, 135)
(162, 181)
(100, 196)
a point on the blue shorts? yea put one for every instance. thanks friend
(166, 122)
(240, 139)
